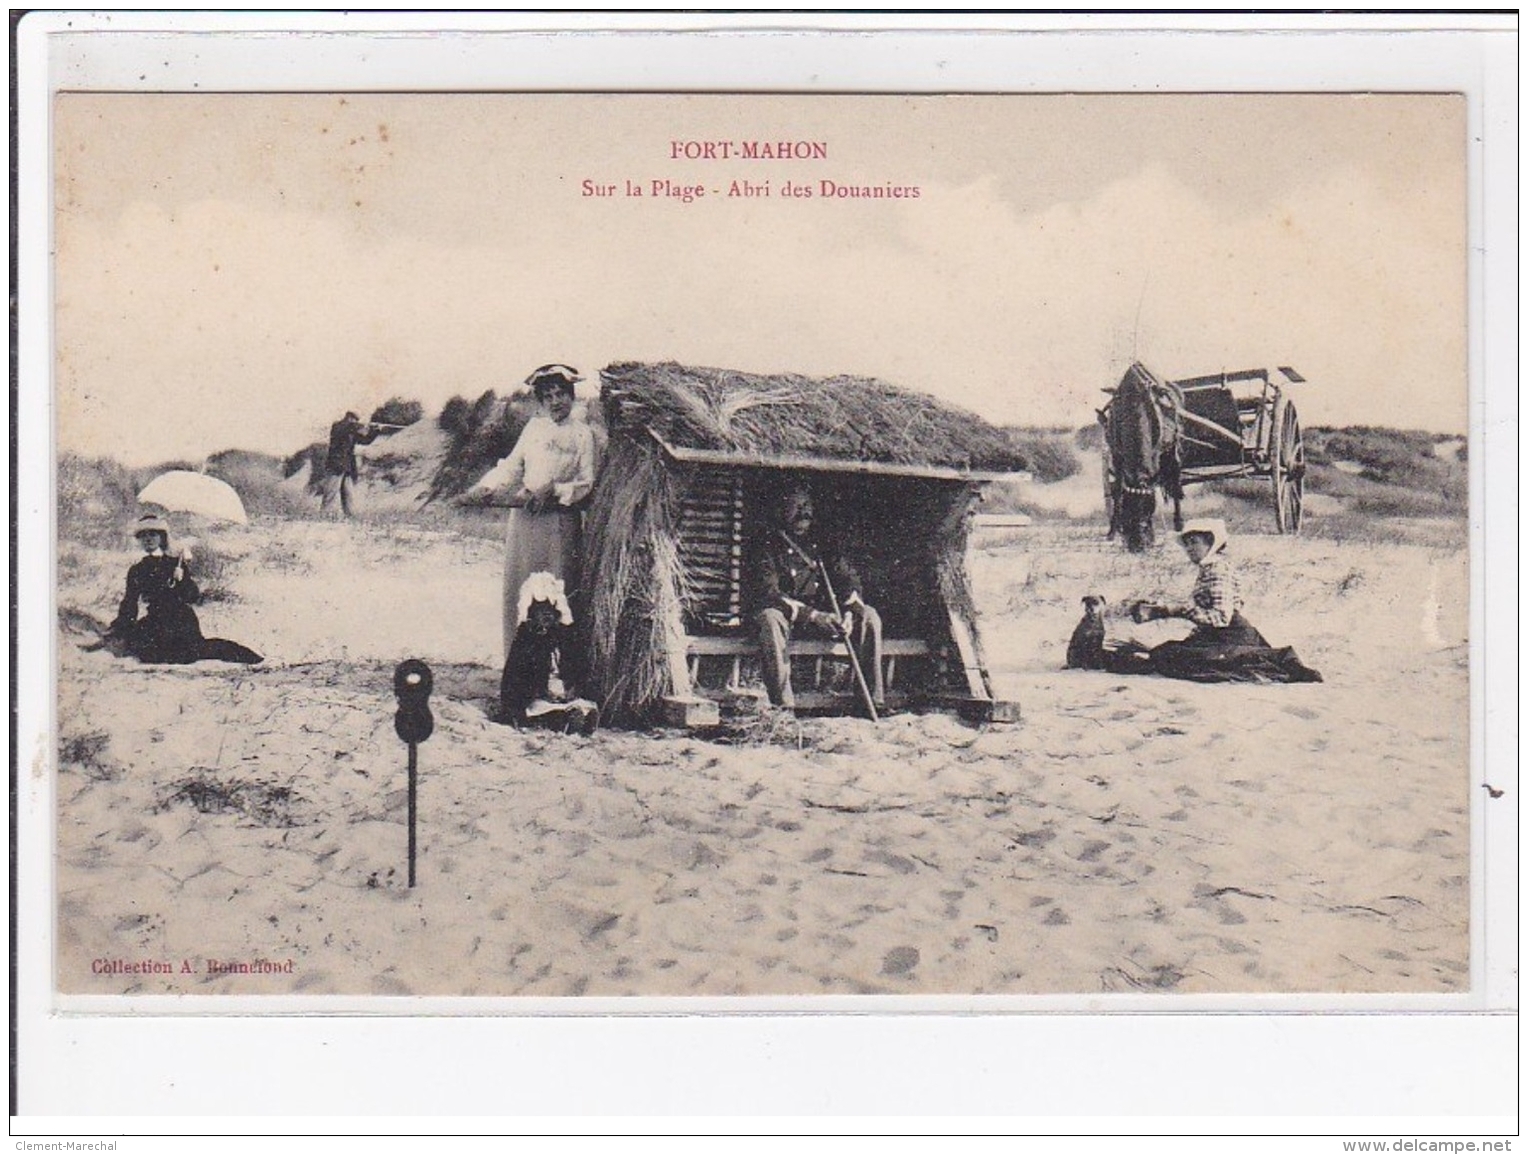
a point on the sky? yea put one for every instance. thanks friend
(235, 271)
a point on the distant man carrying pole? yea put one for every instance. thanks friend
(340, 469)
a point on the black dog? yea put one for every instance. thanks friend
(541, 646)
(1086, 649)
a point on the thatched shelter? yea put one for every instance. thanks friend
(696, 458)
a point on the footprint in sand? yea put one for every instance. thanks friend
(140, 923)
(895, 861)
(1092, 850)
(701, 856)
(1213, 900)
(900, 960)
(389, 985)
(1163, 977)
(1057, 917)
(599, 925)
(1244, 784)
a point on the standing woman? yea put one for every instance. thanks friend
(544, 480)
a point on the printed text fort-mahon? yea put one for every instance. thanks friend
(748, 150)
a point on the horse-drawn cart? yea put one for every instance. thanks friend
(1213, 428)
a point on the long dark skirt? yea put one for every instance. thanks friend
(1232, 653)
(174, 636)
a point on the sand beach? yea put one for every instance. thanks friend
(246, 827)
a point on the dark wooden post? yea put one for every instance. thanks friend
(412, 682)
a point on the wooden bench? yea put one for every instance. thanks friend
(739, 647)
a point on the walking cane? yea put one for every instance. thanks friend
(854, 662)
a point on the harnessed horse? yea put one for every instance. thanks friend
(1143, 431)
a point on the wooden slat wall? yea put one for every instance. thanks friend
(711, 546)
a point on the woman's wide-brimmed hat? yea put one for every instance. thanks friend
(549, 376)
(1211, 527)
(151, 523)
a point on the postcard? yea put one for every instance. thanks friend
(573, 550)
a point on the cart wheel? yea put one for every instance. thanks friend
(1287, 455)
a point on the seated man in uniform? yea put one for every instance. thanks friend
(792, 596)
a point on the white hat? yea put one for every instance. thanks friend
(563, 376)
(543, 587)
(1211, 527)
(151, 523)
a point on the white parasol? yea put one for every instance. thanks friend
(187, 492)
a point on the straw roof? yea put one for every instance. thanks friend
(787, 416)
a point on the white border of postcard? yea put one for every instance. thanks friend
(1074, 1064)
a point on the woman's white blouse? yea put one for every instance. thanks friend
(548, 453)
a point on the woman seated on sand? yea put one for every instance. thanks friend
(545, 480)
(161, 585)
(1224, 646)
